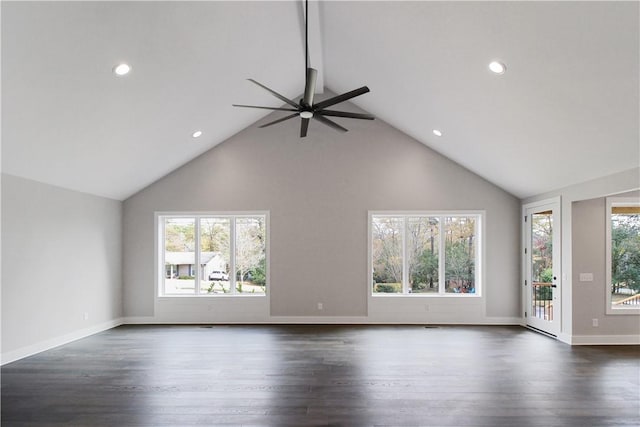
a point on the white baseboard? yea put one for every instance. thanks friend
(317, 320)
(605, 340)
(30, 350)
(139, 320)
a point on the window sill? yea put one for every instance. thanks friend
(622, 311)
(390, 295)
(205, 296)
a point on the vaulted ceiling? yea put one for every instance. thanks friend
(565, 111)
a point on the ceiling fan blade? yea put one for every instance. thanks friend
(304, 125)
(310, 87)
(279, 120)
(345, 114)
(264, 108)
(341, 98)
(276, 94)
(329, 123)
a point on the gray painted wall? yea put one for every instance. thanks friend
(318, 191)
(61, 258)
(589, 241)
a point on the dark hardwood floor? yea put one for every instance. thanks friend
(323, 375)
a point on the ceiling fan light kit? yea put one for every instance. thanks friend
(306, 109)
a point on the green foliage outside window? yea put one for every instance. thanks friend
(411, 245)
(425, 273)
(625, 252)
(388, 288)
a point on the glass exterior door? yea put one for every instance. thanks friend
(542, 248)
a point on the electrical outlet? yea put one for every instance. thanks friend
(85, 316)
(320, 306)
(426, 307)
(594, 323)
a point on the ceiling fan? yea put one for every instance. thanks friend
(306, 108)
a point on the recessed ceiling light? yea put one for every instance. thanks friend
(197, 134)
(497, 67)
(436, 132)
(122, 69)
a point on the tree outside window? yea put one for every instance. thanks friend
(424, 254)
(623, 255)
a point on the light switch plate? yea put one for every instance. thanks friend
(586, 277)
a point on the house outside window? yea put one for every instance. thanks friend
(230, 250)
(425, 254)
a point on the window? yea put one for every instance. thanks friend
(425, 254)
(212, 254)
(623, 255)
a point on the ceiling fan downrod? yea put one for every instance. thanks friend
(306, 109)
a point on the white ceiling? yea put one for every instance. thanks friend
(566, 110)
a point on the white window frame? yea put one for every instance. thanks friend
(479, 259)
(610, 203)
(160, 252)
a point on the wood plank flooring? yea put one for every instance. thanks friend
(323, 375)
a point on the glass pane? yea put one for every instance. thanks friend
(542, 265)
(625, 257)
(422, 251)
(215, 255)
(251, 255)
(387, 254)
(460, 254)
(179, 256)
